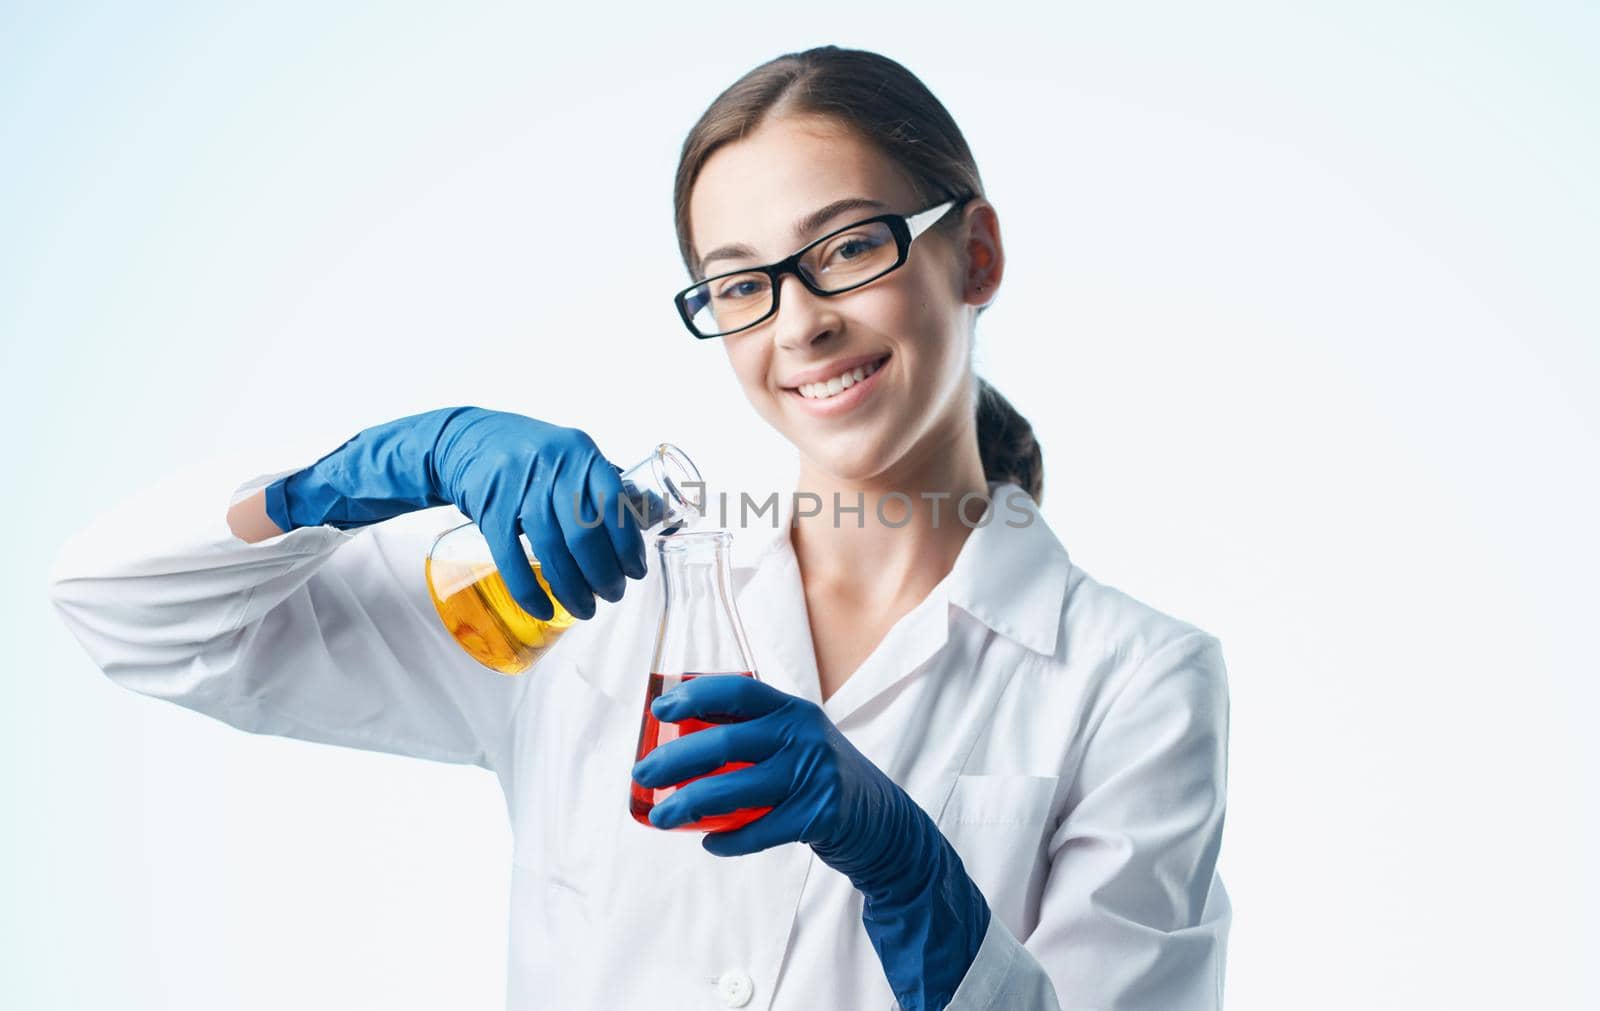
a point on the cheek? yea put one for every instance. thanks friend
(937, 353)
(750, 361)
(921, 307)
(927, 329)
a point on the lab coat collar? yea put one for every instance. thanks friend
(1011, 575)
(1012, 572)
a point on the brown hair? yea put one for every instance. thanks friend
(886, 104)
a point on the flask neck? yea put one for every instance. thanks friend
(664, 490)
(700, 628)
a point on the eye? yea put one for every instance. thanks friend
(741, 287)
(853, 248)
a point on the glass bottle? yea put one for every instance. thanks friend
(479, 611)
(700, 636)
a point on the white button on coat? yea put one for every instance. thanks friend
(1068, 740)
(735, 988)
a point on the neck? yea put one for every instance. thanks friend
(859, 554)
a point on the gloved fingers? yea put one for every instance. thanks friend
(544, 532)
(605, 490)
(778, 826)
(705, 751)
(505, 547)
(752, 786)
(583, 529)
(742, 698)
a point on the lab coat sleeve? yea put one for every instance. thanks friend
(319, 634)
(1132, 915)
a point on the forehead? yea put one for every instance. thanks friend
(752, 191)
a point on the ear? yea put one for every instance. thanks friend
(985, 257)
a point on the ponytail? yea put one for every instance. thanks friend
(1006, 444)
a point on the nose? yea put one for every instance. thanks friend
(803, 318)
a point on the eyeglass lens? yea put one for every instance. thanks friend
(841, 261)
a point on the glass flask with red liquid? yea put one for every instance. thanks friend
(700, 636)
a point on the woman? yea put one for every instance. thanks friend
(1007, 778)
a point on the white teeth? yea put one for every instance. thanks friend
(838, 384)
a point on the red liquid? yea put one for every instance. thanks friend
(653, 732)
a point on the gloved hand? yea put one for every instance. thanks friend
(508, 473)
(924, 916)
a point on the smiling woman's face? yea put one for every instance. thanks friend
(913, 326)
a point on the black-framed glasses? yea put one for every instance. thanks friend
(840, 261)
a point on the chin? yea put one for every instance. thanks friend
(850, 457)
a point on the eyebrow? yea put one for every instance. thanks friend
(802, 228)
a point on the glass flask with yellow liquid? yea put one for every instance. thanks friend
(663, 492)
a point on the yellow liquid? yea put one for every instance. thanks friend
(482, 616)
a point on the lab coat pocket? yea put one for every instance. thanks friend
(1000, 799)
(999, 824)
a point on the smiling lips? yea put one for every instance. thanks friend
(826, 389)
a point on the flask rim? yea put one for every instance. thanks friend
(688, 540)
(663, 461)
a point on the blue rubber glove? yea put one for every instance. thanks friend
(508, 473)
(924, 916)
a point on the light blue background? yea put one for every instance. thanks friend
(1300, 301)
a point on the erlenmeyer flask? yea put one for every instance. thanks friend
(663, 491)
(700, 636)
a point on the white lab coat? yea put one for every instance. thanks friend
(1069, 741)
